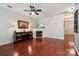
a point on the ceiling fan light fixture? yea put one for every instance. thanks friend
(33, 10)
(32, 13)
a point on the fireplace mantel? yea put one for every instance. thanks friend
(38, 29)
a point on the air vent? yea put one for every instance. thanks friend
(9, 6)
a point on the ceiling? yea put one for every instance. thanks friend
(48, 9)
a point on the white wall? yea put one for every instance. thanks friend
(77, 34)
(54, 26)
(8, 20)
(8, 24)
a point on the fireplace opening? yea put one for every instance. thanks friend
(39, 34)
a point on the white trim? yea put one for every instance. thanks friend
(60, 38)
(33, 37)
(6, 43)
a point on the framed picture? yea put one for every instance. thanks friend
(23, 24)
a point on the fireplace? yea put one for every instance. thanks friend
(39, 34)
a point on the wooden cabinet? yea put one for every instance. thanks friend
(18, 36)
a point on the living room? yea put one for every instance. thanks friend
(43, 28)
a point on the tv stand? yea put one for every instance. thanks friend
(19, 36)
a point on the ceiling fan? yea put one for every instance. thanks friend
(34, 10)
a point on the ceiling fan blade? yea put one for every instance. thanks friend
(36, 13)
(33, 9)
(31, 6)
(39, 10)
(27, 10)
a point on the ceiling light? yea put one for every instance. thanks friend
(71, 9)
(32, 13)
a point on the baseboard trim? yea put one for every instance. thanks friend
(57, 38)
(6, 43)
(33, 37)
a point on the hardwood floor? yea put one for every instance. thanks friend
(35, 47)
